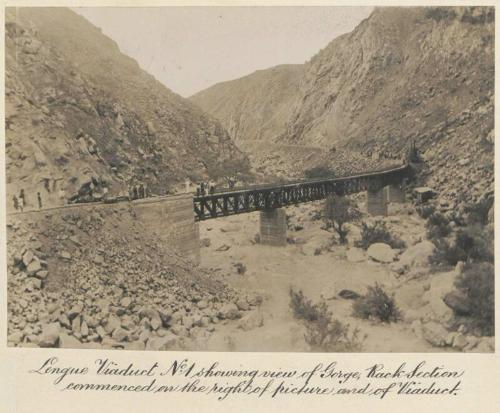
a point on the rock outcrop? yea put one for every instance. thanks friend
(81, 113)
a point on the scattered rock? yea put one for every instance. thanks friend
(349, 295)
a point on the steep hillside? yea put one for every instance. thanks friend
(79, 111)
(256, 107)
(423, 74)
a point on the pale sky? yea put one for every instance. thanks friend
(191, 48)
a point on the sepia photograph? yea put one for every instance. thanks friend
(250, 179)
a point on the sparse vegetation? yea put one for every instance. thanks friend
(470, 245)
(241, 269)
(425, 211)
(231, 170)
(319, 172)
(323, 332)
(478, 213)
(477, 285)
(378, 232)
(437, 226)
(376, 304)
(338, 211)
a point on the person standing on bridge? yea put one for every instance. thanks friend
(22, 198)
(39, 198)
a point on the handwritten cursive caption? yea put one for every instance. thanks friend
(223, 382)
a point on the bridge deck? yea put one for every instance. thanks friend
(262, 197)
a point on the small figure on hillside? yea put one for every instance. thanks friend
(16, 202)
(141, 191)
(21, 204)
(62, 196)
(39, 197)
(135, 193)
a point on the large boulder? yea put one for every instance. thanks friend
(50, 335)
(417, 256)
(229, 311)
(252, 320)
(435, 334)
(161, 343)
(381, 252)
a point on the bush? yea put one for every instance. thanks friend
(437, 226)
(376, 304)
(338, 211)
(425, 211)
(478, 213)
(370, 234)
(470, 245)
(477, 285)
(323, 332)
(302, 307)
(319, 172)
(241, 269)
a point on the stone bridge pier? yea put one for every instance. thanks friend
(273, 227)
(379, 196)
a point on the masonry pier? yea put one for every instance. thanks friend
(273, 227)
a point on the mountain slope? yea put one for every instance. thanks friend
(406, 73)
(78, 110)
(255, 107)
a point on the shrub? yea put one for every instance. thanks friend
(470, 245)
(378, 232)
(302, 307)
(241, 269)
(338, 211)
(477, 285)
(425, 211)
(437, 226)
(319, 172)
(478, 212)
(323, 332)
(376, 304)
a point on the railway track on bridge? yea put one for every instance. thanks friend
(271, 196)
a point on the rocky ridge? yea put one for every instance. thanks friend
(404, 74)
(79, 111)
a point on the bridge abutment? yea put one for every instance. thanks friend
(171, 219)
(273, 227)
